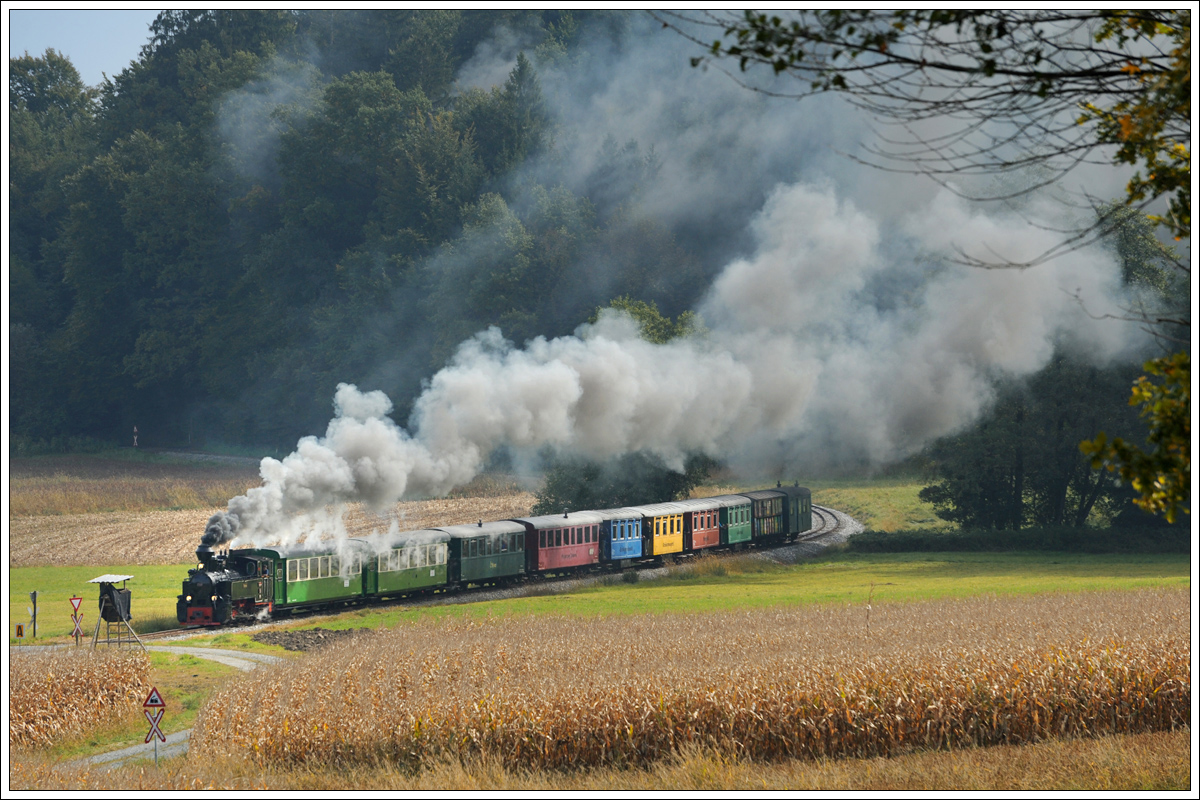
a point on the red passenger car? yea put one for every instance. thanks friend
(701, 524)
(559, 542)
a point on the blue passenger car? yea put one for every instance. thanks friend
(620, 535)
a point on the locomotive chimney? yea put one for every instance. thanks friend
(204, 554)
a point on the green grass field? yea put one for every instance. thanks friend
(836, 579)
(718, 585)
(745, 583)
(153, 591)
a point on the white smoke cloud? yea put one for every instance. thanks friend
(794, 363)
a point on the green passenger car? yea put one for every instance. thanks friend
(407, 562)
(734, 518)
(307, 575)
(488, 552)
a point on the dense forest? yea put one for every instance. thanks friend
(266, 204)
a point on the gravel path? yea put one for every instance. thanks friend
(177, 742)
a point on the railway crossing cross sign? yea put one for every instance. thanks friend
(155, 732)
(154, 700)
(77, 618)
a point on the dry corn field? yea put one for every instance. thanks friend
(54, 695)
(539, 693)
(1134, 762)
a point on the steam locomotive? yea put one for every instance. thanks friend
(260, 583)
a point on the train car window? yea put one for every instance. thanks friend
(541, 539)
(303, 574)
(558, 537)
(292, 571)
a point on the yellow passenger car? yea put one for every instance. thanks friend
(662, 528)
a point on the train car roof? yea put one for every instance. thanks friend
(486, 529)
(727, 500)
(698, 504)
(627, 512)
(570, 519)
(304, 550)
(392, 541)
(765, 494)
(659, 509)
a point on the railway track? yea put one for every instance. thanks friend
(830, 522)
(827, 524)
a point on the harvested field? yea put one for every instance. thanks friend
(91, 510)
(65, 485)
(60, 693)
(170, 537)
(550, 693)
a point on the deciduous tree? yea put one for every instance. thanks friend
(1057, 88)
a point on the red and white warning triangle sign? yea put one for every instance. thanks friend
(75, 601)
(154, 700)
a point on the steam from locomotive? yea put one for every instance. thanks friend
(805, 354)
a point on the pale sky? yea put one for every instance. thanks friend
(99, 41)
